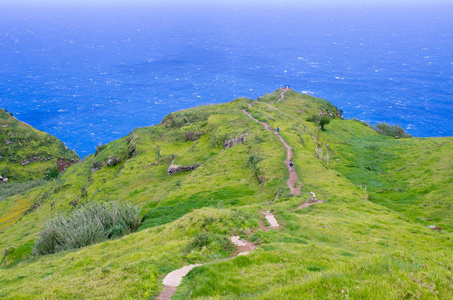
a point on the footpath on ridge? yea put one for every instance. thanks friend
(174, 278)
(282, 94)
(289, 151)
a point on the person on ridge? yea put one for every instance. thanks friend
(291, 164)
(278, 130)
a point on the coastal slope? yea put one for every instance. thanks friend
(357, 222)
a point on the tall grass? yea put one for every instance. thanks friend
(12, 188)
(85, 226)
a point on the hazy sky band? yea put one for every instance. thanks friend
(308, 3)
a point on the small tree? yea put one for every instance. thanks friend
(324, 121)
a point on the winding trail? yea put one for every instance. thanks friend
(289, 154)
(174, 278)
(282, 94)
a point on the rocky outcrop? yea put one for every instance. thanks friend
(193, 136)
(96, 166)
(63, 164)
(176, 169)
(110, 162)
(33, 159)
(113, 161)
(233, 142)
(29, 160)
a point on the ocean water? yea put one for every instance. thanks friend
(91, 74)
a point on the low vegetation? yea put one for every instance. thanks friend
(90, 224)
(395, 131)
(12, 188)
(320, 120)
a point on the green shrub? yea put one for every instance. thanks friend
(85, 226)
(52, 174)
(391, 130)
(313, 118)
(216, 243)
(180, 119)
(320, 120)
(99, 149)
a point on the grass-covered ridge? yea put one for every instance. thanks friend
(368, 242)
(27, 153)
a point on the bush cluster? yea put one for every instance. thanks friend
(215, 241)
(85, 226)
(320, 120)
(391, 130)
(180, 119)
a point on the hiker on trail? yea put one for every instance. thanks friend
(278, 130)
(291, 164)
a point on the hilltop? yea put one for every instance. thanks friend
(210, 172)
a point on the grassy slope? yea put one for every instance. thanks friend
(20, 141)
(411, 176)
(345, 246)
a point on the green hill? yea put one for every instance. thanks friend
(206, 173)
(29, 154)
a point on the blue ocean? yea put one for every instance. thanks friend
(90, 74)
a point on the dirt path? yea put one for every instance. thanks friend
(244, 247)
(282, 94)
(309, 203)
(289, 154)
(174, 278)
(271, 219)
